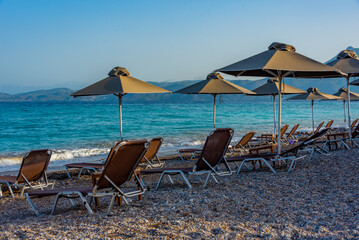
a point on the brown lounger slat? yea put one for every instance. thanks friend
(161, 170)
(189, 150)
(85, 165)
(51, 192)
(9, 179)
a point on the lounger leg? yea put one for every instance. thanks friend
(23, 190)
(68, 173)
(0, 191)
(268, 165)
(206, 181)
(186, 180)
(85, 203)
(169, 177)
(78, 176)
(72, 203)
(179, 153)
(345, 145)
(240, 167)
(32, 205)
(215, 179)
(111, 204)
(10, 189)
(55, 203)
(159, 181)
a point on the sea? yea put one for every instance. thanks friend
(86, 131)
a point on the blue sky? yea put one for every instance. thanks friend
(62, 43)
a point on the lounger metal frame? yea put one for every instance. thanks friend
(115, 192)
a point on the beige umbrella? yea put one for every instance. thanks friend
(119, 82)
(214, 85)
(343, 95)
(279, 61)
(272, 88)
(313, 94)
(347, 62)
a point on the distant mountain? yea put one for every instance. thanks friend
(63, 94)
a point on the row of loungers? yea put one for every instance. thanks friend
(124, 158)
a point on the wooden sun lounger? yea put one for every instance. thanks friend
(118, 169)
(211, 156)
(33, 169)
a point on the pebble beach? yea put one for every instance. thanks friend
(318, 199)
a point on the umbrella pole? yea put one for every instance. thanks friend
(214, 110)
(348, 94)
(120, 107)
(275, 124)
(279, 111)
(313, 115)
(345, 119)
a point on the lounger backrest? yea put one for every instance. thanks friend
(329, 124)
(354, 123)
(294, 129)
(153, 149)
(120, 167)
(355, 132)
(214, 148)
(282, 131)
(113, 150)
(245, 139)
(319, 127)
(34, 165)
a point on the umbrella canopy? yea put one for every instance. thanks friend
(280, 60)
(347, 61)
(272, 88)
(313, 94)
(343, 95)
(119, 82)
(214, 85)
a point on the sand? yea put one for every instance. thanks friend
(318, 199)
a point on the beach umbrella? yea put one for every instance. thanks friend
(313, 94)
(119, 83)
(343, 95)
(214, 85)
(272, 88)
(279, 61)
(347, 61)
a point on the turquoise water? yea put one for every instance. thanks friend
(87, 130)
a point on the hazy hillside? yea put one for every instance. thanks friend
(63, 94)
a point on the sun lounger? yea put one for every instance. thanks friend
(33, 169)
(241, 146)
(150, 159)
(211, 156)
(289, 156)
(118, 169)
(291, 135)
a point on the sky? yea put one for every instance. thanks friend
(73, 43)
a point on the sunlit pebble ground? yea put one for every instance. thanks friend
(319, 199)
